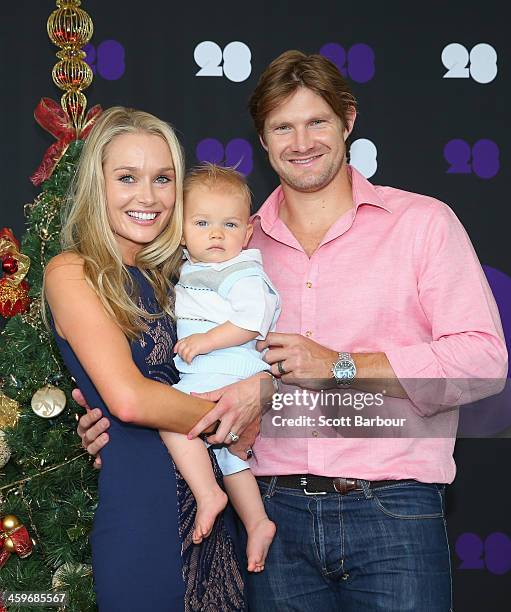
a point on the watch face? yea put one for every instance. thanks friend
(344, 369)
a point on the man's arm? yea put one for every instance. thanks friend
(466, 358)
(309, 365)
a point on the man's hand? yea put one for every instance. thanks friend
(191, 346)
(305, 362)
(238, 405)
(91, 428)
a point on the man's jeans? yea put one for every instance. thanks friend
(377, 549)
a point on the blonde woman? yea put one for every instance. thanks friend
(111, 298)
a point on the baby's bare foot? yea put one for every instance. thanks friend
(260, 537)
(209, 507)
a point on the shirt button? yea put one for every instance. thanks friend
(308, 333)
(315, 433)
(308, 284)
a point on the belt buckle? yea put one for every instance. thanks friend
(344, 485)
(303, 483)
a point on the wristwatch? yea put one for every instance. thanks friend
(344, 370)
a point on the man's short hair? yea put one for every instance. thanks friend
(213, 176)
(294, 69)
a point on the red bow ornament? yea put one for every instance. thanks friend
(50, 116)
(13, 286)
(14, 538)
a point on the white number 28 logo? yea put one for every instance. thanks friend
(235, 57)
(480, 63)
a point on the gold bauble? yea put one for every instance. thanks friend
(59, 581)
(72, 74)
(9, 545)
(48, 401)
(9, 411)
(69, 26)
(5, 451)
(74, 103)
(9, 522)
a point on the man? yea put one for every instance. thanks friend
(376, 283)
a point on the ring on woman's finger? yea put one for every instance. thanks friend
(234, 437)
(280, 368)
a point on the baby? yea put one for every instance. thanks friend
(224, 303)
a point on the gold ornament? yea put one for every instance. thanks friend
(10, 522)
(70, 28)
(9, 545)
(10, 246)
(48, 401)
(5, 451)
(9, 411)
(59, 581)
(33, 316)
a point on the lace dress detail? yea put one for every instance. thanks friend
(211, 573)
(213, 581)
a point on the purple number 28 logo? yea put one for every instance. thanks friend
(492, 553)
(357, 63)
(107, 59)
(237, 153)
(482, 158)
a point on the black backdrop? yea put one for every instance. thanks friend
(444, 136)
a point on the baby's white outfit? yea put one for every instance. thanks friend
(209, 294)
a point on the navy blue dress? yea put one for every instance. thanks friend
(143, 555)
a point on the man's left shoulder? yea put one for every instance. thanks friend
(413, 204)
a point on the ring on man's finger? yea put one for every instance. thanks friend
(280, 368)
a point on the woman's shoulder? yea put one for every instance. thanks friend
(62, 272)
(62, 265)
(64, 259)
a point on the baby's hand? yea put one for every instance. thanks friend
(191, 346)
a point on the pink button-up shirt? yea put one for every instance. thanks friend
(395, 274)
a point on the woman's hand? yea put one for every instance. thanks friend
(238, 405)
(246, 441)
(91, 428)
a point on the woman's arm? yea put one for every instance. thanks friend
(104, 352)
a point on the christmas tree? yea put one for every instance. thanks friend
(47, 483)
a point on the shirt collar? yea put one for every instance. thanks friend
(363, 193)
(245, 255)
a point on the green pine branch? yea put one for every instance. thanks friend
(49, 484)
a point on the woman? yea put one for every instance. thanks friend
(111, 299)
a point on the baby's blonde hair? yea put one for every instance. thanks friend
(213, 176)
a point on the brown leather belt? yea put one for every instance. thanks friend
(320, 485)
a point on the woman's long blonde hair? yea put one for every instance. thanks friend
(86, 229)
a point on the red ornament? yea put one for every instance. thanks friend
(13, 286)
(9, 265)
(53, 119)
(13, 299)
(14, 539)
